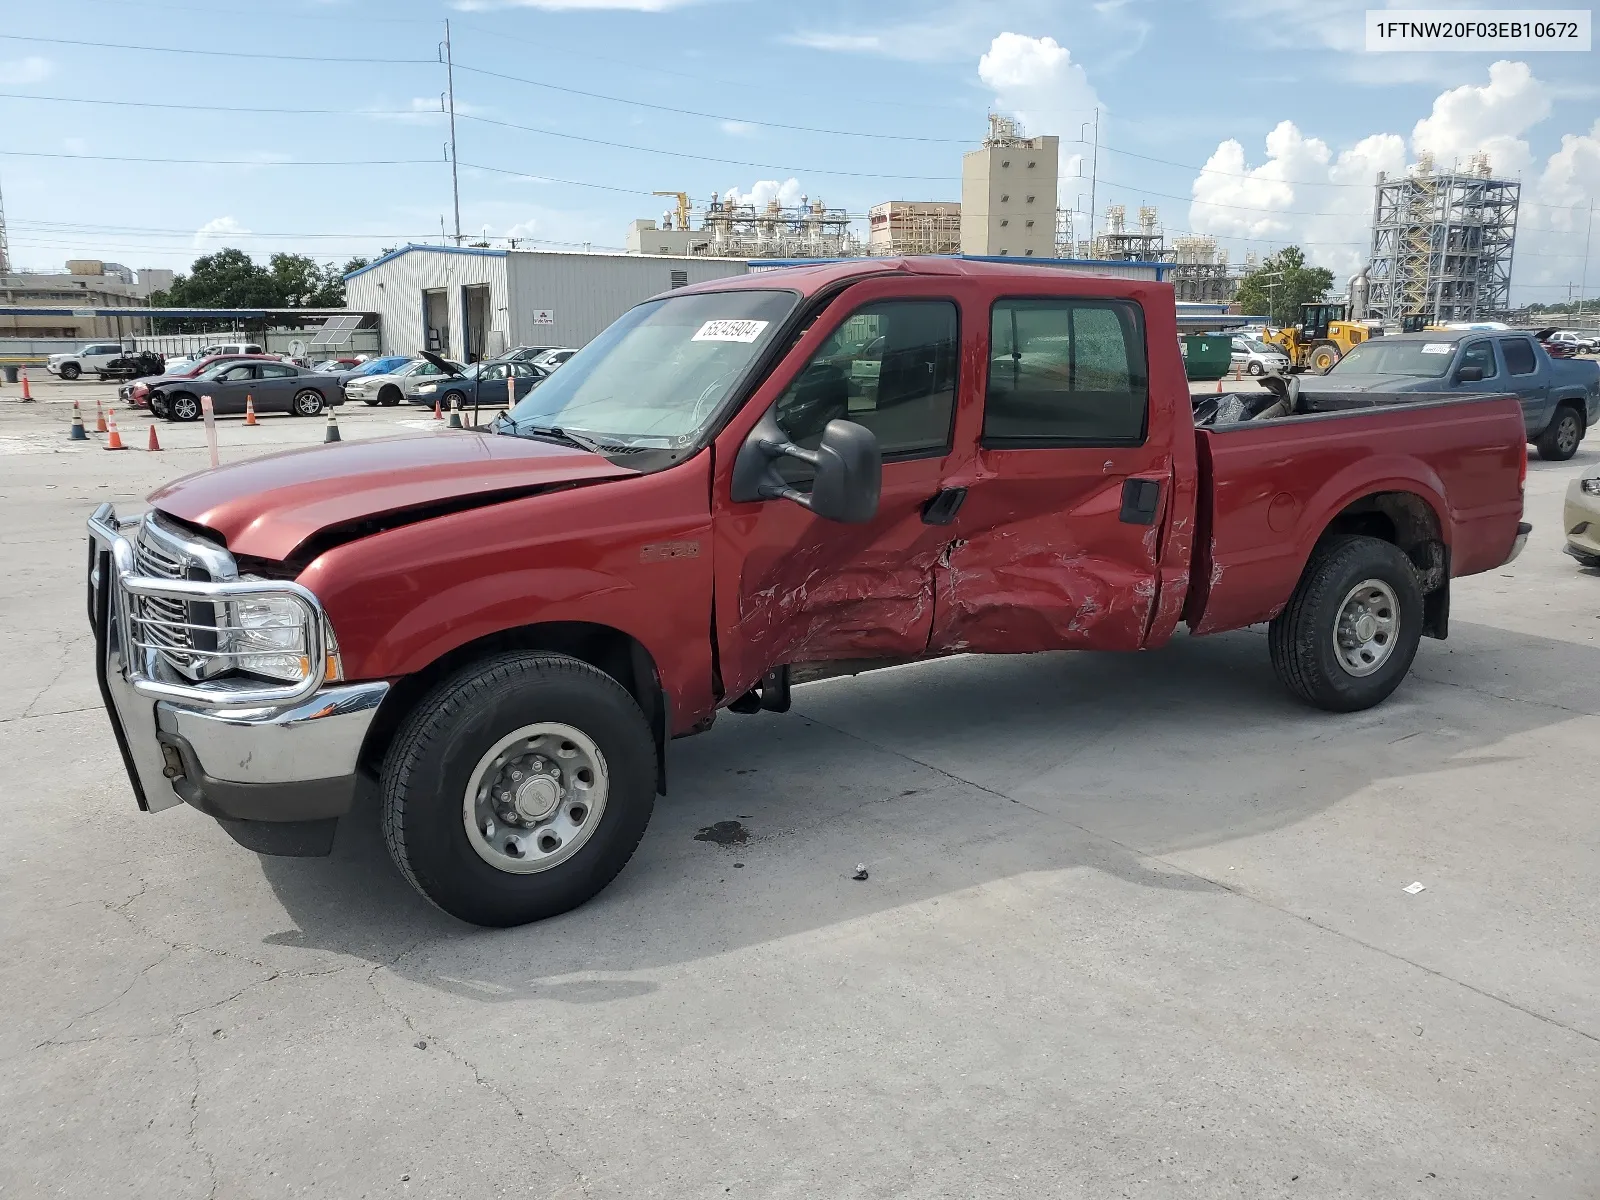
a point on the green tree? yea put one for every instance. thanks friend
(227, 279)
(1281, 284)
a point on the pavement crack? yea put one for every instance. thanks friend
(192, 1134)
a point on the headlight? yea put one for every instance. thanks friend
(426, 388)
(270, 636)
(1591, 486)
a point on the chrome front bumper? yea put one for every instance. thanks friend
(244, 753)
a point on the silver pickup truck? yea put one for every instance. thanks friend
(1560, 397)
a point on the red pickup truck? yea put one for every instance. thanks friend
(797, 471)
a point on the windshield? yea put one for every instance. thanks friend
(657, 376)
(1389, 356)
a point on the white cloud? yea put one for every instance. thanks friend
(217, 232)
(1036, 79)
(942, 34)
(739, 128)
(850, 43)
(19, 72)
(1492, 118)
(786, 193)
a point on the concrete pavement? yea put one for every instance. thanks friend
(1134, 926)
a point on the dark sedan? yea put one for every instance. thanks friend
(483, 384)
(276, 387)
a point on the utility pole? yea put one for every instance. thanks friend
(450, 92)
(1094, 173)
(1583, 286)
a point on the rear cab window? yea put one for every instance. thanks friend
(1066, 372)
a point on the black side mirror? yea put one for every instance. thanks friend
(848, 465)
(1469, 375)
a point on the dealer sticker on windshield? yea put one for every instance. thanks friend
(1438, 347)
(730, 331)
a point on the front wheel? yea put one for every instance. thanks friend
(160, 408)
(307, 402)
(1348, 634)
(1254, 368)
(389, 396)
(453, 399)
(1560, 439)
(70, 371)
(184, 408)
(519, 788)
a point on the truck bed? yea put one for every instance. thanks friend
(1269, 489)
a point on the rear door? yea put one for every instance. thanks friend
(1056, 542)
(1531, 384)
(791, 587)
(276, 385)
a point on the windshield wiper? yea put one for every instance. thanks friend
(556, 434)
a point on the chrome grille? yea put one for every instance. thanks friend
(164, 623)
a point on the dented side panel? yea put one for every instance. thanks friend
(1040, 559)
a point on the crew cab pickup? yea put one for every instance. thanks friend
(736, 486)
(1560, 397)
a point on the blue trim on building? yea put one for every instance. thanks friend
(407, 249)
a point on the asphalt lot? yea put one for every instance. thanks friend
(1135, 926)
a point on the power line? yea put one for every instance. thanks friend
(124, 47)
(230, 162)
(309, 112)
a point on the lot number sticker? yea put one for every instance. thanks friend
(730, 331)
(1438, 347)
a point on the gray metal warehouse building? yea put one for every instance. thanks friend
(467, 303)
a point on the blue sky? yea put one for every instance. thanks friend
(1277, 97)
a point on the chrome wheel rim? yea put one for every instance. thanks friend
(184, 408)
(1367, 628)
(308, 403)
(535, 798)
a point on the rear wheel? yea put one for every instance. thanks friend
(519, 788)
(1348, 634)
(307, 402)
(1560, 439)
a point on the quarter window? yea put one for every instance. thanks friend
(1066, 372)
(890, 367)
(1519, 356)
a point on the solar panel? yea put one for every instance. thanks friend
(336, 331)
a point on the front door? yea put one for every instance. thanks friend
(1056, 543)
(791, 587)
(230, 388)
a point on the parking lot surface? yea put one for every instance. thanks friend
(1133, 926)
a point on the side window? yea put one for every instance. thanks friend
(494, 371)
(891, 367)
(273, 371)
(234, 374)
(1519, 356)
(1066, 372)
(1479, 354)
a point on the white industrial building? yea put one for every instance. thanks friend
(467, 303)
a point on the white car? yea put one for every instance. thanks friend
(551, 359)
(93, 359)
(1582, 343)
(1257, 358)
(400, 384)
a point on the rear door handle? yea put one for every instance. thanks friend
(942, 507)
(1141, 498)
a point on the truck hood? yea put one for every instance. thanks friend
(1378, 383)
(269, 507)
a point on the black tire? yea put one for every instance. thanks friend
(427, 769)
(1324, 357)
(70, 371)
(458, 398)
(159, 408)
(307, 403)
(371, 402)
(1301, 638)
(389, 396)
(1560, 439)
(1255, 368)
(184, 407)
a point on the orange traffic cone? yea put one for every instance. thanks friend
(1219, 383)
(437, 415)
(114, 442)
(27, 393)
(155, 443)
(249, 412)
(76, 433)
(99, 418)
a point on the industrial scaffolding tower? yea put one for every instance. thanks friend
(1442, 243)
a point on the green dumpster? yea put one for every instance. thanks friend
(1207, 355)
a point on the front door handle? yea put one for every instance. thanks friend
(1140, 500)
(942, 507)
